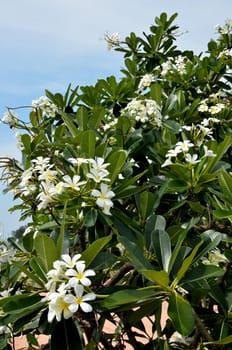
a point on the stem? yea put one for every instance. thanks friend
(118, 275)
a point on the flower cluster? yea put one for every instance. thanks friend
(226, 29)
(10, 119)
(182, 152)
(146, 81)
(144, 111)
(226, 55)
(174, 65)
(47, 107)
(215, 257)
(48, 183)
(212, 109)
(112, 40)
(67, 284)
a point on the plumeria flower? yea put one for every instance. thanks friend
(70, 262)
(48, 175)
(146, 81)
(41, 163)
(141, 117)
(58, 306)
(208, 152)
(167, 162)
(215, 257)
(98, 175)
(203, 107)
(192, 159)
(112, 40)
(57, 189)
(184, 146)
(73, 183)
(79, 275)
(98, 164)
(173, 152)
(78, 161)
(79, 300)
(104, 197)
(10, 118)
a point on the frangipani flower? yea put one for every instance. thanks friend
(73, 183)
(79, 275)
(70, 262)
(184, 145)
(79, 300)
(58, 307)
(104, 198)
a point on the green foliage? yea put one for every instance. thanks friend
(132, 177)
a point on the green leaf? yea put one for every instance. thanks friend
(88, 143)
(145, 202)
(67, 336)
(181, 236)
(135, 254)
(94, 249)
(126, 296)
(46, 251)
(186, 264)
(159, 277)
(219, 149)
(69, 124)
(153, 223)
(90, 218)
(33, 276)
(116, 159)
(36, 267)
(162, 246)
(82, 118)
(202, 272)
(223, 341)
(181, 314)
(222, 214)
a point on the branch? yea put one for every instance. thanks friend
(118, 275)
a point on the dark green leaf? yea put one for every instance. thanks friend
(181, 314)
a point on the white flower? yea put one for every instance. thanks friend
(184, 146)
(79, 275)
(104, 197)
(48, 175)
(10, 118)
(45, 106)
(79, 300)
(70, 262)
(57, 189)
(58, 306)
(146, 81)
(41, 163)
(5, 330)
(208, 152)
(113, 40)
(173, 152)
(98, 176)
(78, 161)
(203, 107)
(215, 109)
(215, 257)
(73, 183)
(141, 117)
(166, 163)
(192, 159)
(98, 164)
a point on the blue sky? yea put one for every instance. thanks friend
(47, 44)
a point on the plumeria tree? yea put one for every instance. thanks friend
(126, 188)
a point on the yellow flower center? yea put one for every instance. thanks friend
(80, 275)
